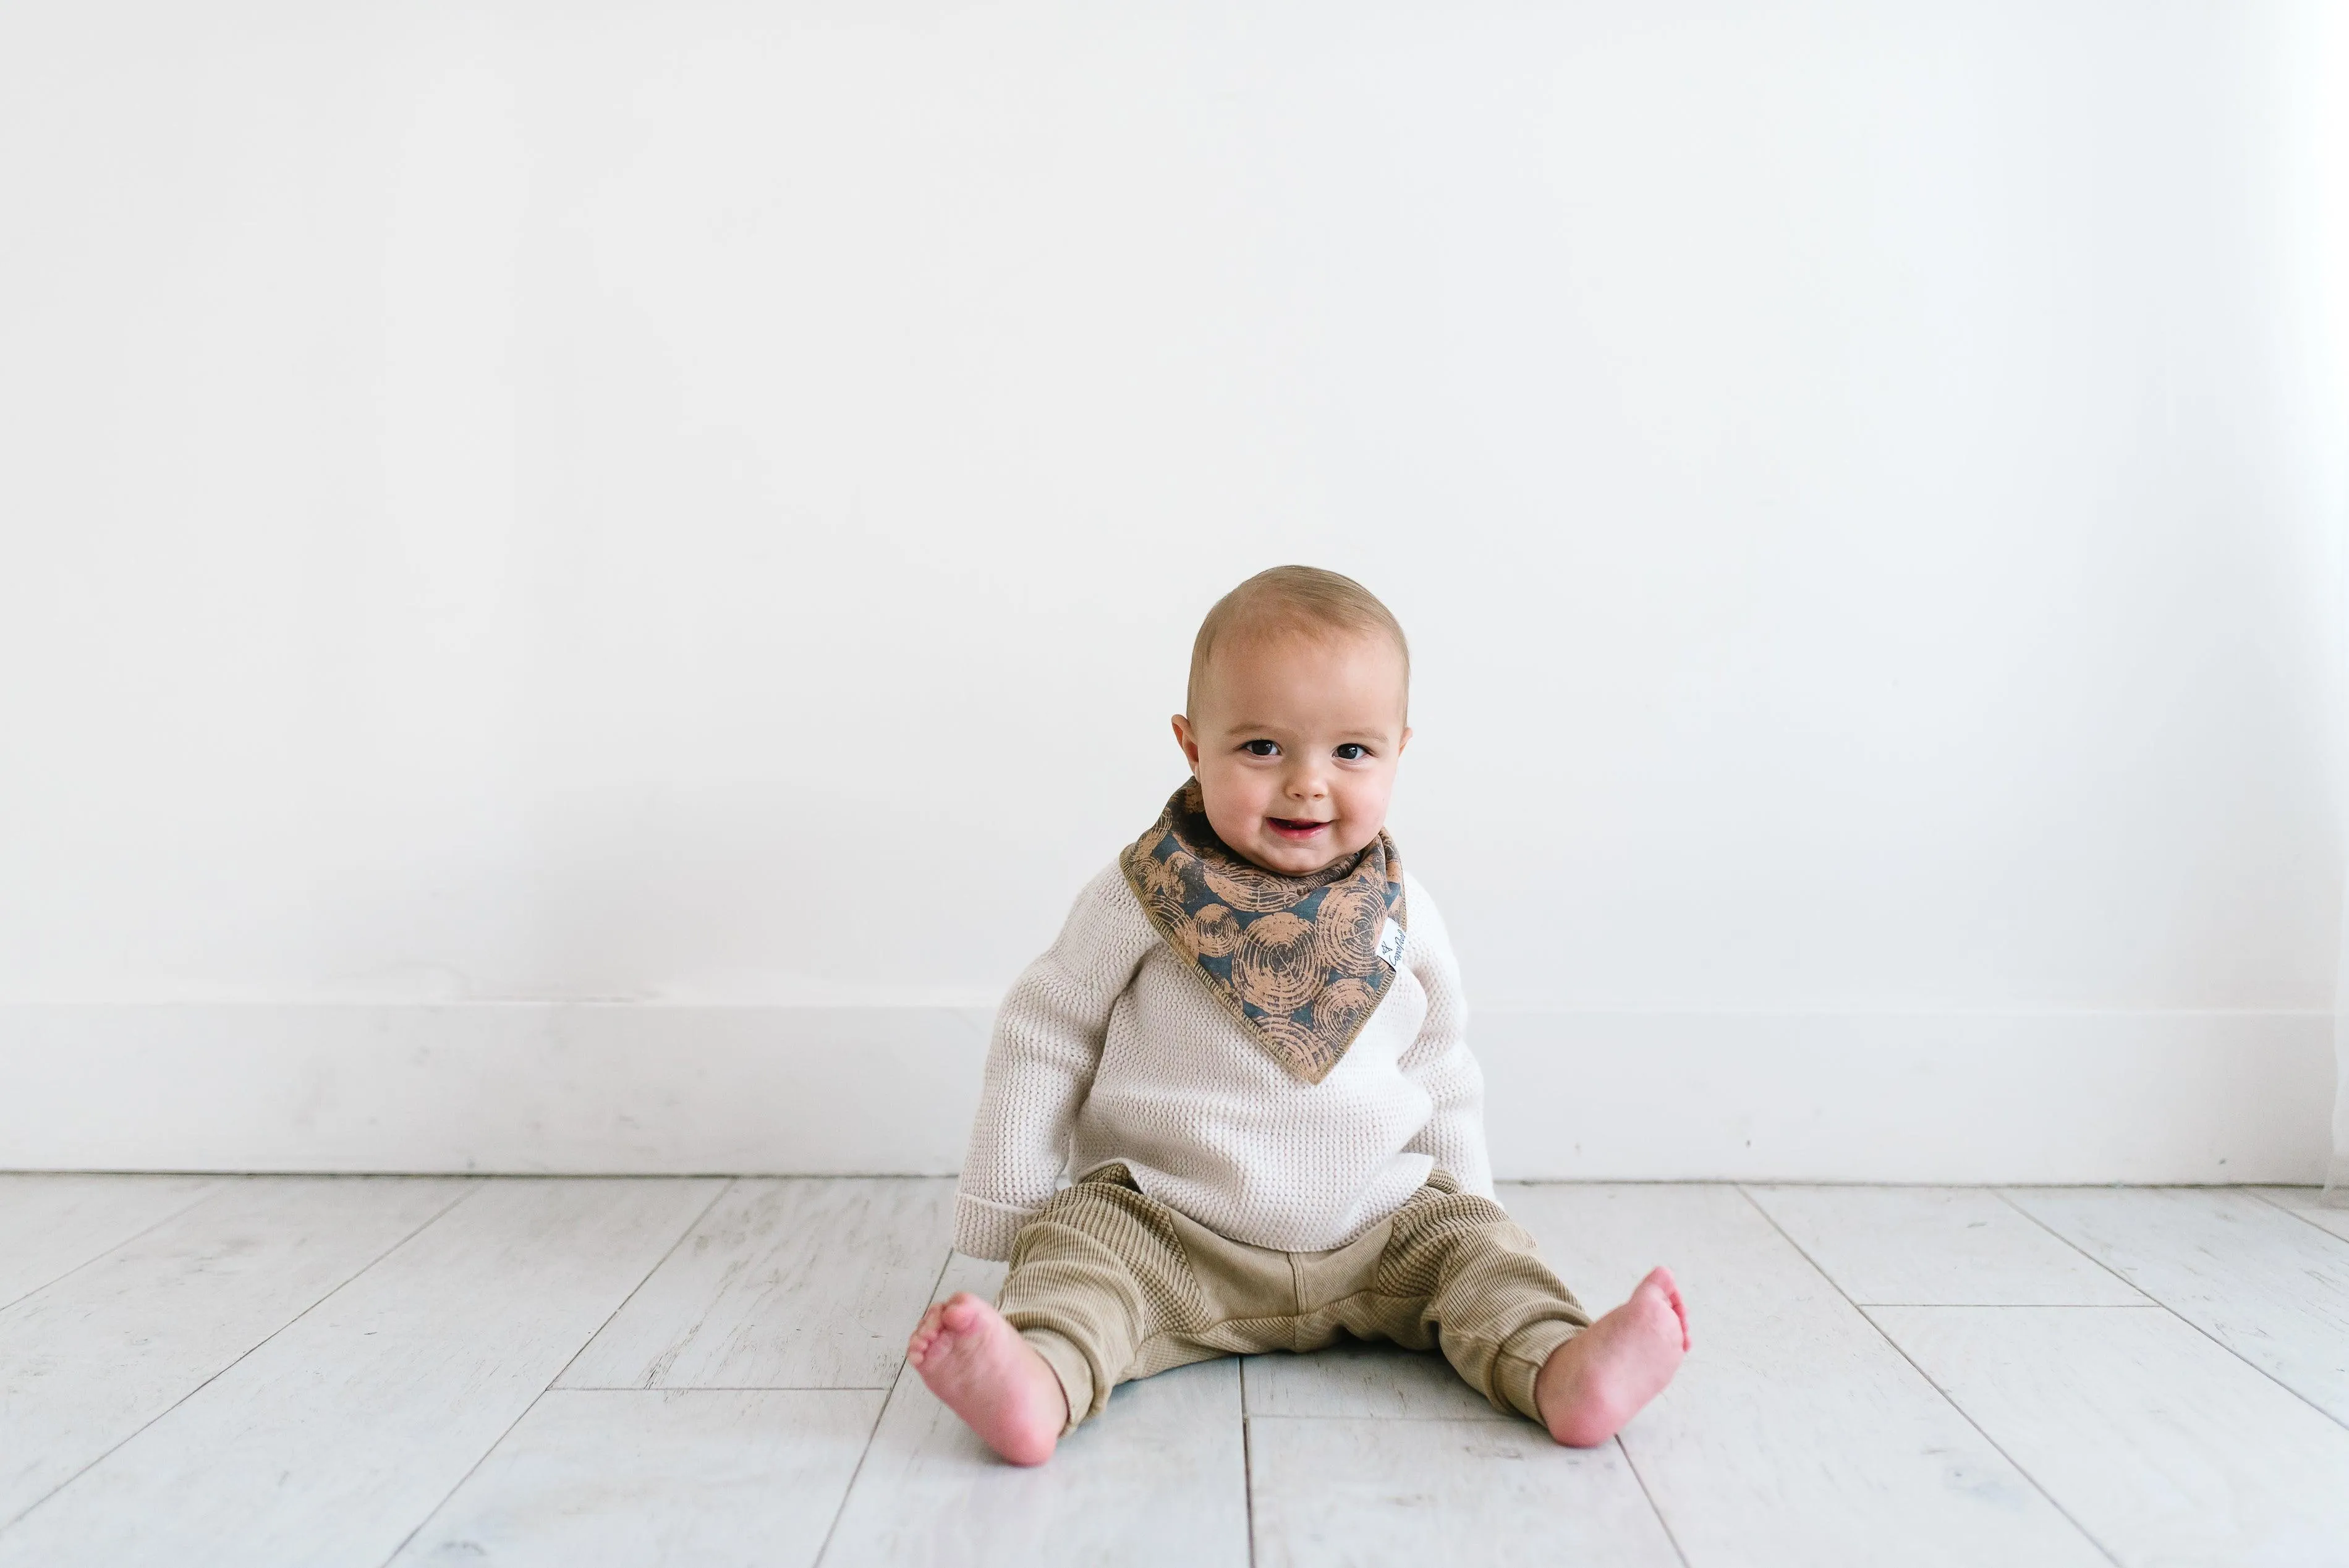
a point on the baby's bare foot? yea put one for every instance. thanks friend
(1599, 1380)
(988, 1375)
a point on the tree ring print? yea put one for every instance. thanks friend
(1162, 892)
(1156, 878)
(1278, 967)
(1348, 927)
(1340, 1010)
(1190, 874)
(1214, 932)
(1246, 887)
(1298, 1046)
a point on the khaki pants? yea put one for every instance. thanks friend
(1109, 1285)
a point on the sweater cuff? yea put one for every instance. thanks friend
(984, 1229)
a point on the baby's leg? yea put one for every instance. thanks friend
(977, 1364)
(1511, 1326)
(1093, 1275)
(1600, 1379)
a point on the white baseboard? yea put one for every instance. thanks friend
(1931, 1097)
(627, 1088)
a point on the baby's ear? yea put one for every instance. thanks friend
(1188, 741)
(1403, 742)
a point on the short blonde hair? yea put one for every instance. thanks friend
(1302, 600)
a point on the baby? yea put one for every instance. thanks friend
(1249, 1049)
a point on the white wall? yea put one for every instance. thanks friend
(704, 506)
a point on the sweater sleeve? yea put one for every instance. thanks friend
(1040, 1064)
(1439, 1060)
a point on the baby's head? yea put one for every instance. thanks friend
(1300, 686)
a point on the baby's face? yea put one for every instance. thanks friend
(1295, 744)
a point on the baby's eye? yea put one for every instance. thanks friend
(1350, 752)
(1260, 749)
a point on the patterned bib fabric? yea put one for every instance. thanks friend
(1295, 958)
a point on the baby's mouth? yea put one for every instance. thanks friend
(1296, 827)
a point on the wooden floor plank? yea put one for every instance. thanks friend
(1794, 1434)
(789, 1283)
(1797, 1433)
(1160, 1478)
(330, 1443)
(2272, 1289)
(91, 1358)
(1956, 1246)
(684, 1477)
(1433, 1493)
(2166, 1447)
(1363, 1380)
(2308, 1204)
(51, 1225)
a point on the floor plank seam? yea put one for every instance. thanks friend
(2173, 1312)
(585, 1340)
(1247, 1462)
(683, 1236)
(840, 1508)
(1962, 1413)
(470, 1470)
(117, 1246)
(2301, 1214)
(435, 1218)
(2085, 1534)
(2017, 1306)
(2007, 1198)
(1404, 1420)
(1654, 1507)
(724, 1388)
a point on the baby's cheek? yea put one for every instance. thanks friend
(1232, 809)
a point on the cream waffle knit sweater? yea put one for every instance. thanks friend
(1111, 1047)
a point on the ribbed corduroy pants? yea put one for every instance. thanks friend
(1109, 1285)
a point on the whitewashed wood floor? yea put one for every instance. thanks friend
(363, 1371)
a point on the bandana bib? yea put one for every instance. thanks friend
(1301, 961)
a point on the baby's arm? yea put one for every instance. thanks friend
(1040, 1065)
(1439, 1060)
